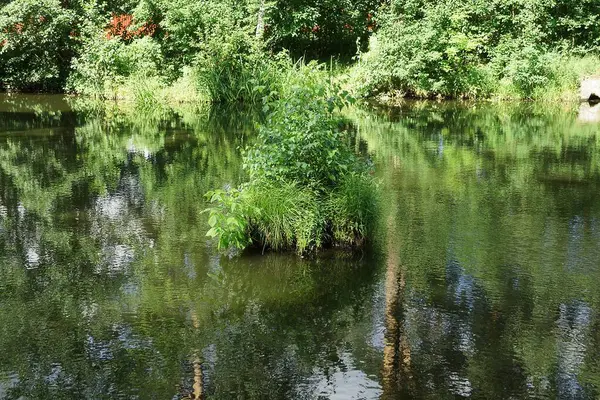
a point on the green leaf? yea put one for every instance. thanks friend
(212, 233)
(212, 221)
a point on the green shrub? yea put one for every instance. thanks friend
(106, 65)
(307, 187)
(35, 45)
(424, 54)
(192, 29)
(301, 140)
(521, 67)
(237, 70)
(461, 48)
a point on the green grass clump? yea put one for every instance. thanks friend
(566, 73)
(352, 209)
(239, 71)
(286, 216)
(290, 216)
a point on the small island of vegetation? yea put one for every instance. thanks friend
(307, 188)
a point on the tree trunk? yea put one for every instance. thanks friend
(396, 371)
(260, 24)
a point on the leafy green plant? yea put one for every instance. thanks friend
(301, 142)
(307, 188)
(228, 219)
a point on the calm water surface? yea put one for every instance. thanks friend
(483, 282)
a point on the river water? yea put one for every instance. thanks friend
(483, 281)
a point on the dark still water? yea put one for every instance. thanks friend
(484, 280)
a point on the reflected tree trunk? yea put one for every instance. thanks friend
(396, 372)
(198, 387)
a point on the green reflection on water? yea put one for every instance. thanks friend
(483, 282)
(498, 236)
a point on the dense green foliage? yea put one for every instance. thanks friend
(220, 50)
(100, 48)
(321, 28)
(480, 48)
(307, 187)
(35, 44)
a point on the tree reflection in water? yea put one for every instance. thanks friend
(482, 284)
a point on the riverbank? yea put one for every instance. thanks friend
(148, 92)
(232, 51)
(559, 82)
